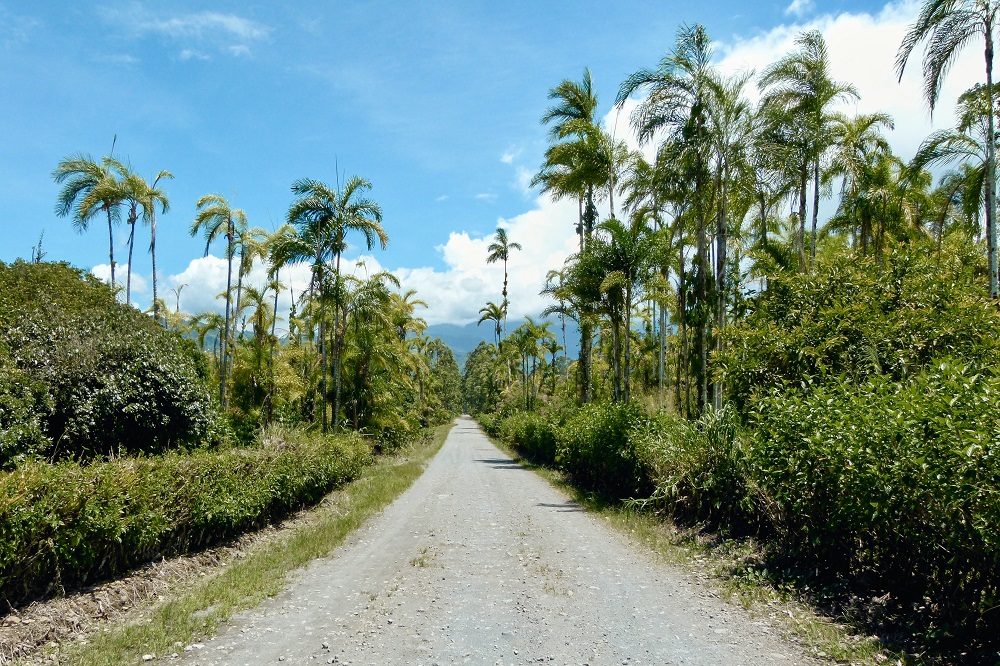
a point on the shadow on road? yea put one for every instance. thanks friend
(500, 463)
(566, 507)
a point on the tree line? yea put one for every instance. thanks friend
(731, 197)
(354, 350)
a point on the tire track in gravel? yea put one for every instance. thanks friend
(483, 562)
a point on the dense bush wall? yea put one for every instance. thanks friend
(65, 525)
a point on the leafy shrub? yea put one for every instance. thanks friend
(699, 469)
(532, 434)
(858, 318)
(23, 404)
(66, 524)
(595, 449)
(108, 378)
(896, 483)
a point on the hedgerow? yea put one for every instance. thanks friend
(64, 525)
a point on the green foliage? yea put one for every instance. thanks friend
(595, 449)
(899, 482)
(699, 468)
(532, 434)
(858, 318)
(104, 377)
(67, 524)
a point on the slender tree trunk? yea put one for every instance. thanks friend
(111, 247)
(579, 203)
(505, 294)
(131, 243)
(627, 372)
(615, 346)
(586, 334)
(274, 342)
(803, 182)
(225, 336)
(991, 227)
(722, 239)
(323, 352)
(336, 349)
(815, 213)
(152, 254)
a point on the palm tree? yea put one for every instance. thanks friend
(678, 94)
(217, 218)
(333, 213)
(499, 250)
(947, 26)
(495, 313)
(89, 187)
(800, 85)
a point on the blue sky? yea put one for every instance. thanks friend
(436, 103)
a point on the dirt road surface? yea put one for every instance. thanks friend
(483, 562)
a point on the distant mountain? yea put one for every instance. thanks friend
(463, 339)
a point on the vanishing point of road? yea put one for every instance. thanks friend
(483, 562)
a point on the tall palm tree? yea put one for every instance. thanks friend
(800, 85)
(89, 187)
(678, 94)
(499, 250)
(495, 313)
(215, 219)
(947, 26)
(153, 197)
(335, 213)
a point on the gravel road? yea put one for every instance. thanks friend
(483, 562)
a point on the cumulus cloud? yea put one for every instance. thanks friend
(455, 294)
(140, 285)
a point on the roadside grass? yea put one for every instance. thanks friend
(728, 566)
(197, 612)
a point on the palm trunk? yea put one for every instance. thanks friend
(803, 186)
(225, 336)
(152, 253)
(111, 246)
(627, 372)
(585, 350)
(336, 348)
(722, 237)
(991, 228)
(132, 216)
(815, 216)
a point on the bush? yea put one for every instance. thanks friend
(893, 483)
(66, 525)
(857, 318)
(532, 434)
(108, 379)
(699, 469)
(595, 449)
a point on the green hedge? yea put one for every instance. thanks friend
(594, 448)
(899, 482)
(66, 525)
(532, 434)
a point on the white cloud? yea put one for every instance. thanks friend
(455, 294)
(486, 196)
(140, 285)
(197, 33)
(192, 54)
(799, 8)
(441, 198)
(205, 24)
(511, 154)
(523, 177)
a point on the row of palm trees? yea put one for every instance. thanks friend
(94, 188)
(339, 315)
(734, 190)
